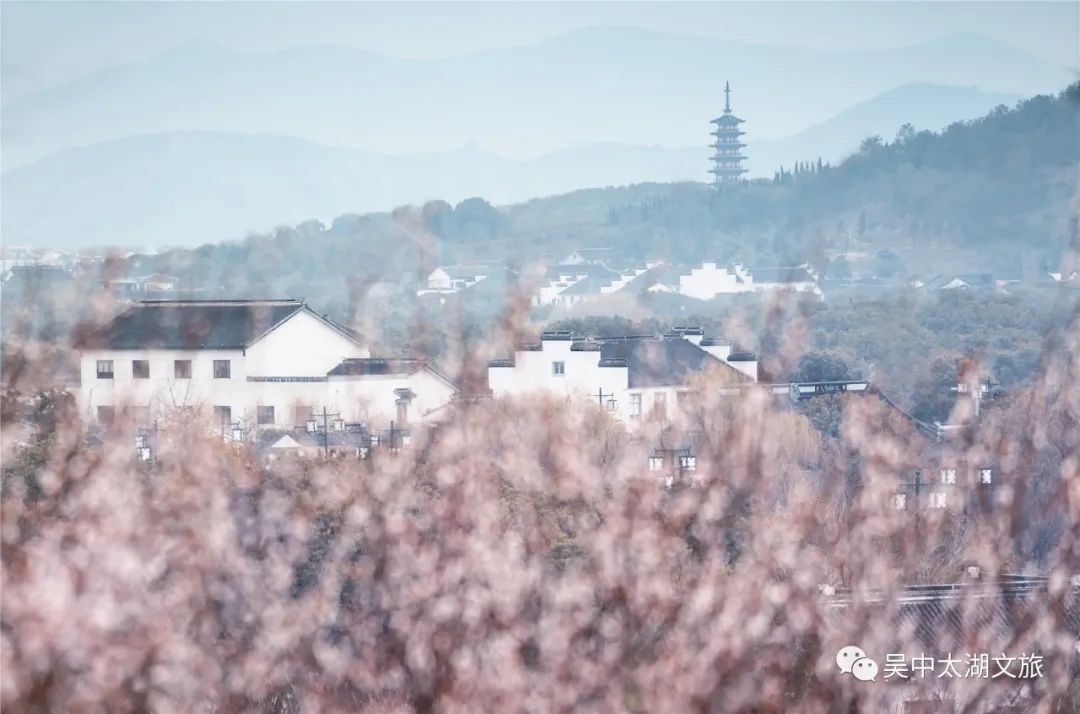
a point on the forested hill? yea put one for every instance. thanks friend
(1001, 185)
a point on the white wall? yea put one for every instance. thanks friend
(532, 372)
(708, 281)
(162, 392)
(371, 398)
(303, 346)
(747, 367)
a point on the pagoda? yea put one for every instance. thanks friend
(727, 155)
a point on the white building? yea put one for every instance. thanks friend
(250, 364)
(710, 280)
(571, 283)
(590, 256)
(449, 279)
(633, 377)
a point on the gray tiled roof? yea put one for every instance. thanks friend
(376, 365)
(196, 324)
(797, 274)
(661, 362)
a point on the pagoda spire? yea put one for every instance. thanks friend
(727, 145)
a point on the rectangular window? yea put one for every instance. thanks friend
(635, 406)
(656, 463)
(937, 499)
(265, 415)
(104, 369)
(688, 463)
(140, 369)
(948, 476)
(302, 414)
(986, 475)
(106, 415)
(140, 416)
(222, 369)
(558, 368)
(222, 415)
(660, 404)
(182, 369)
(899, 501)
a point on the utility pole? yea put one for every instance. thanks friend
(978, 389)
(600, 395)
(146, 443)
(916, 486)
(325, 430)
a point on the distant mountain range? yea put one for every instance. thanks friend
(603, 84)
(184, 188)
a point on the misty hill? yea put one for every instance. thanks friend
(606, 84)
(999, 188)
(924, 106)
(191, 187)
(188, 188)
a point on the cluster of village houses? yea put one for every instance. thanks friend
(251, 367)
(591, 273)
(585, 275)
(278, 363)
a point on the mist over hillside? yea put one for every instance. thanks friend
(657, 89)
(917, 195)
(185, 188)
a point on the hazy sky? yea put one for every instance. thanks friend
(45, 43)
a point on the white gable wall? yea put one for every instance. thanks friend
(371, 398)
(533, 373)
(302, 346)
(708, 281)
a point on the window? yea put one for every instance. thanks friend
(986, 476)
(656, 463)
(635, 406)
(222, 369)
(302, 415)
(104, 369)
(222, 415)
(899, 501)
(140, 369)
(140, 416)
(265, 415)
(558, 368)
(938, 499)
(660, 404)
(182, 369)
(688, 463)
(948, 476)
(105, 415)
(402, 411)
